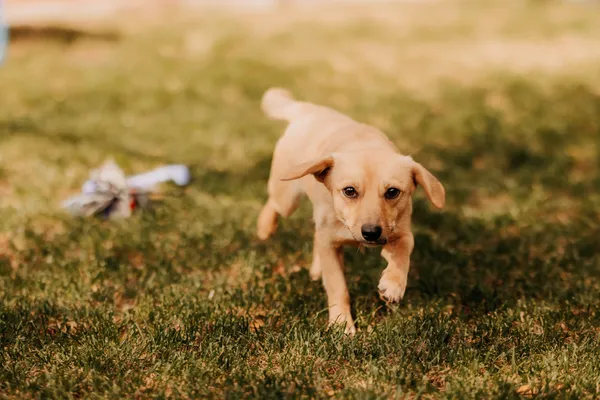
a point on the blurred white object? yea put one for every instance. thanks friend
(179, 174)
(109, 193)
(105, 193)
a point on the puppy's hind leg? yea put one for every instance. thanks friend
(283, 200)
(267, 221)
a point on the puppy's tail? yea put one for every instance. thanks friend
(278, 103)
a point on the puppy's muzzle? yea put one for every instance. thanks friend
(372, 233)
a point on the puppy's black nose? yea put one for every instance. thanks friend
(371, 232)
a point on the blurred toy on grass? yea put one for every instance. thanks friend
(110, 194)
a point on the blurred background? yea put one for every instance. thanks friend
(127, 73)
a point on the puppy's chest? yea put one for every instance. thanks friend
(324, 213)
(327, 222)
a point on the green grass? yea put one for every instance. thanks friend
(183, 301)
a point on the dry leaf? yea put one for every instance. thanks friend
(526, 390)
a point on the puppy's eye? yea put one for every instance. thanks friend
(392, 193)
(350, 192)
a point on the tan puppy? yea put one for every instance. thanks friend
(360, 188)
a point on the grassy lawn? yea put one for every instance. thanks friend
(500, 101)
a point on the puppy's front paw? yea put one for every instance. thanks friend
(344, 319)
(392, 285)
(349, 328)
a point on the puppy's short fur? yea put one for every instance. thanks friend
(360, 188)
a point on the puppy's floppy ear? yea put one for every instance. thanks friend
(318, 167)
(433, 188)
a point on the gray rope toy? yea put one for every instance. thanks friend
(109, 193)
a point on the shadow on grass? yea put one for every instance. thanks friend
(481, 266)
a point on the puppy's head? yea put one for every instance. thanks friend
(371, 190)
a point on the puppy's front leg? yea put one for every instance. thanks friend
(394, 278)
(315, 268)
(331, 261)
